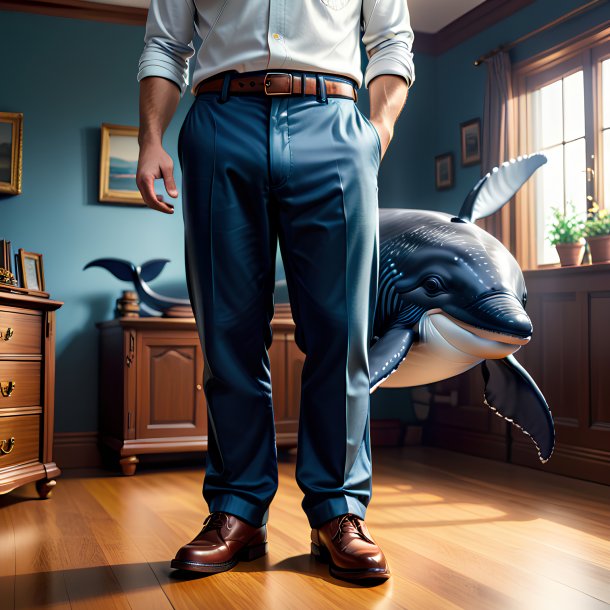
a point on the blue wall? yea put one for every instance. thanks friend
(68, 76)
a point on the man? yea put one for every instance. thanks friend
(275, 148)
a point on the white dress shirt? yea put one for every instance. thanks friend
(308, 35)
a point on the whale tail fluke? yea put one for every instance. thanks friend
(150, 270)
(498, 186)
(121, 269)
(514, 395)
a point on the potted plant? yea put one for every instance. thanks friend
(566, 234)
(597, 233)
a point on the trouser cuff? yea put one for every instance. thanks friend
(333, 507)
(241, 508)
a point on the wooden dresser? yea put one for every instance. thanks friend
(151, 394)
(27, 385)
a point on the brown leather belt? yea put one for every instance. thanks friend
(278, 83)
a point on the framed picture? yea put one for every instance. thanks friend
(31, 270)
(11, 143)
(444, 171)
(471, 142)
(118, 164)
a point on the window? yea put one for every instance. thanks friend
(558, 130)
(563, 105)
(605, 135)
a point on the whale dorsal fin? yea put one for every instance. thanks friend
(498, 186)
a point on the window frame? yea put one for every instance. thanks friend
(584, 52)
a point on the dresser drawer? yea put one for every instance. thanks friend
(19, 440)
(25, 334)
(19, 384)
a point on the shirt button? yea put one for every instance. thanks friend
(277, 36)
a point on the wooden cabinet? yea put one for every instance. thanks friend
(27, 389)
(151, 392)
(569, 358)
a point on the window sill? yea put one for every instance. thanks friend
(555, 270)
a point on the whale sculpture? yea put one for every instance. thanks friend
(151, 302)
(452, 296)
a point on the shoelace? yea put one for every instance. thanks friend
(354, 521)
(214, 520)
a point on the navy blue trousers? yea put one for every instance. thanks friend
(301, 172)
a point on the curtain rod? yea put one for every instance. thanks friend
(509, 45)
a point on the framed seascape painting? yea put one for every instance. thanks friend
(443, 171)
(11, 142)
(470, 133)
(118, 164)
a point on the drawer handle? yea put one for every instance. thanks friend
(7, 445)
(8, 334)
(7, 387)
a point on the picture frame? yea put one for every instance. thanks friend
(470, 137)
(31, 270)
(119, 150)
(444, 173)
(11, 152)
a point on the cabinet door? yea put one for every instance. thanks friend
(170, 398)
(295, 359)
(286, 366)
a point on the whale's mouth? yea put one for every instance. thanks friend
(485, 333)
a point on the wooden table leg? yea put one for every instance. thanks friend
(128, 465)
(44, 487)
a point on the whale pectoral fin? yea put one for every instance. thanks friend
(514, 395)
(387, 353)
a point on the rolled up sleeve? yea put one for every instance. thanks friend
(388, 39)
(168, 42)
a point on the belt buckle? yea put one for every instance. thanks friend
(268, 83)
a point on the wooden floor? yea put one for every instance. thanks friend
(458, 532)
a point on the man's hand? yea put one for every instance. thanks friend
(386, 133)
(154, 163)
(159, 98)
(388, 94)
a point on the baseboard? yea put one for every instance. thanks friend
(81, 450)
(76, 450)
(481, 444)
(568, 460)
(394, 433)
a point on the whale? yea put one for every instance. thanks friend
(451, 297)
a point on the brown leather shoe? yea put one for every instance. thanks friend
(224, 541)
(345, 543)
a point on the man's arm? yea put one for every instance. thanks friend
(159, 99)
(387, 94)
(163, 77)
(388, 40)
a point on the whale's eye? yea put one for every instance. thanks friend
(432, 285)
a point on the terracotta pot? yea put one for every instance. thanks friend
(570, 254)
(600, 248)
